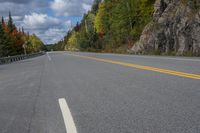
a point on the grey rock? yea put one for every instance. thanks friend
(175, 29)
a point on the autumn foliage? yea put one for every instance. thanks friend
(12, 39)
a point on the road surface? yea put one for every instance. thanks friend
(100, 93)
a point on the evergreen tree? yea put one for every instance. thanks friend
(2, 20)
(12, 39)
(111, 25)
(23, 31)
(95, 6)
(2, 37)
(11, 26)
(5, 40)
(3, 24)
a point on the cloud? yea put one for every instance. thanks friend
(17, 1)
(49, 29)
(59, 6)
(48, 19)
(40, 21)
(16, 9)
(86, 7)
(15, 18)
(30, 14)
(53, 35)
(70, 7)
(21, 9)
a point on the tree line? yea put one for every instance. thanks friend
(110, 26)
(12, 39)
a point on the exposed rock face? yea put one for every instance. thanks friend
(175, 28)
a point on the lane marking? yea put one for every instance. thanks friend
(196, 59)
(154, 69)
(67, 116)
(157, 57)
(48, 56)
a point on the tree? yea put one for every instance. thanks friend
(95, 6)
(11, 26)
(23, 31)
(111, 25)
(12, 39)
(2, 21)
(2, 40)
(77, 27)
(34, 44)
(102, 19)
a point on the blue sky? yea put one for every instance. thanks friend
(48, 19)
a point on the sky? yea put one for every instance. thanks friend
(48, 19)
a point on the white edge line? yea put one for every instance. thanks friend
(48, 57)
(67, 116)
(152, 57)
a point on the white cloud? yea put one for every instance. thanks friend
(41, 16)
(59, 6)
(52, 32)
(86, 7)
(22, 7)
(16, 9)
(70, 7)
(53, 35)
(67, 24)
(49, 29)
(15, 18)
(40, 21)
(17, 1)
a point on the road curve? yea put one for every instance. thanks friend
(100, 93)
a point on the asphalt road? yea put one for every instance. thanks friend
(102, 94)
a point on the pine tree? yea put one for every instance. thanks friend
(12, 39)
(95, 6)
(2, 20)
(2, 43)
(77, 27)
(11, 26)
(23, 31)
(5, 40)
(3, 24)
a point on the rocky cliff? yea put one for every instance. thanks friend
(175, 29)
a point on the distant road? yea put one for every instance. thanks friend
(100, 93)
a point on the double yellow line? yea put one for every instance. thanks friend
(164, 71)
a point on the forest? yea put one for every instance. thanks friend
(110, 26)
(12, 39)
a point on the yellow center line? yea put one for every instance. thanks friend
(154, 69)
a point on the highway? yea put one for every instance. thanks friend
(65, 92)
